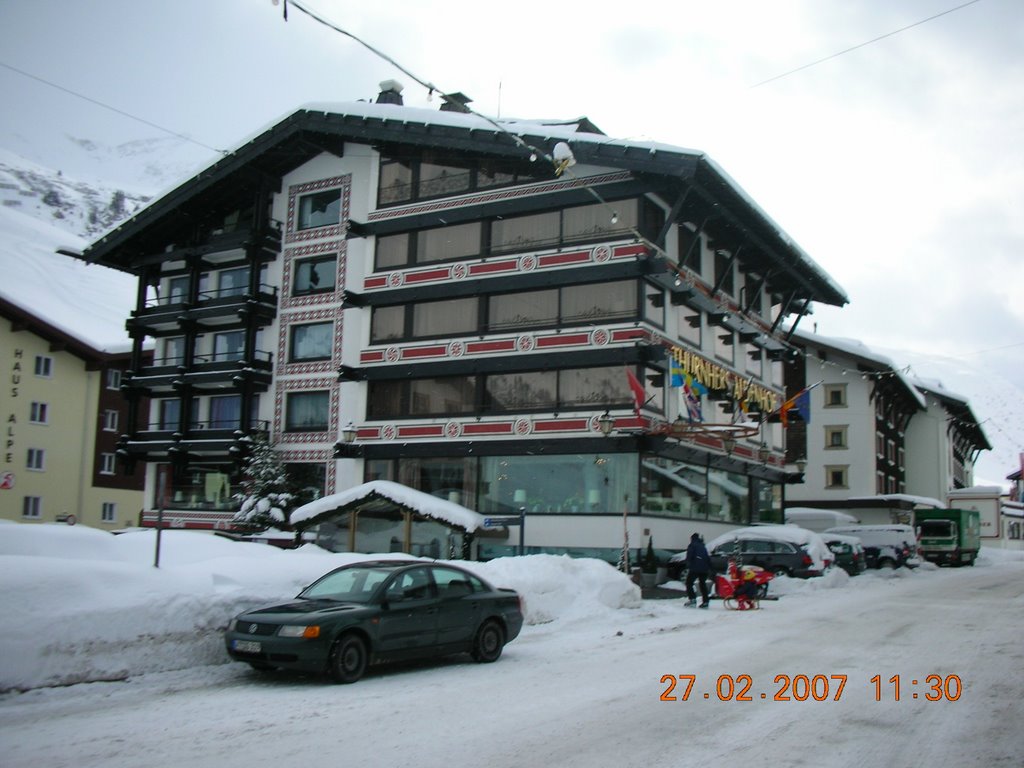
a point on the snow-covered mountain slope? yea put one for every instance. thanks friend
(80, 207)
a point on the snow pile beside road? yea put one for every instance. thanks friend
(560, 587)
(83, 605)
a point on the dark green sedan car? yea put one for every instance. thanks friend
(378, 612)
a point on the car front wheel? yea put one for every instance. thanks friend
(348, 659)
(489, 642)
(781, 570)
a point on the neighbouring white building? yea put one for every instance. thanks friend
(874, 430)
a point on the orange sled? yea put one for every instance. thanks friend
(728, 587)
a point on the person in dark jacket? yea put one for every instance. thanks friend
(698, 566)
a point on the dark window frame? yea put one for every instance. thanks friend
(485, 325)
(294, 358)
(335, 194)
(648, 218)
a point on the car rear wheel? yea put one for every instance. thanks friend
(489, 642)
(348, 659)
(887, 564)
(781, 570)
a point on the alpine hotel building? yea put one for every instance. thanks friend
(436, 299)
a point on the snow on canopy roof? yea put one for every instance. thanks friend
(418, 501)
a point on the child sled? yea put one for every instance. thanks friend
(741, 588)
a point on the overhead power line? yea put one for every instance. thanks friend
(861, 45)
(112, 109)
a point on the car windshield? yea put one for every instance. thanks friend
(349, 585)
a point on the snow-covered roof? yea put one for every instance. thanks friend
(861, 351)
(365, 121)
(418, 501)
(87, 302)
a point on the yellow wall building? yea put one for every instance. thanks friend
(62, 413)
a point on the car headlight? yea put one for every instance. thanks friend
(232, 625)
(295, 630)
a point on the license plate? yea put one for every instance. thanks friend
(246, 646)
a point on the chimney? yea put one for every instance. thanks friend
(455, 102)
(390, 92)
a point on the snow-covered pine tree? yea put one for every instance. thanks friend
(266, 501)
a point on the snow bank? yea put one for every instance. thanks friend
(83, 605)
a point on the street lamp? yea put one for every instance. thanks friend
(606, 423)
(348, 434)
(728, 443)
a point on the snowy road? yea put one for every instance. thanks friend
(588, 694)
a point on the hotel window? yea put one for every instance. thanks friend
(36, 459)
(604, 301)
(108, 463)
(536, 390)
(39, 413)
(835, 437)
(690, 251)
(522, 310)
(108, 513)
(451, 394)
(879, 445)
(315, 275)
(177, 289)
(314, 341)
(835, 395)
(228, 346)
(44, 366)
(439, 178)
(391, 251)
(599, 220)
(890, 451)
(113, 378)
(448, 243)
(110, 418)
(395, 181)
(170, 414)
(233, 282)
(320, 209)
(32, 507)
(454, 317)
(226, 412)
(835, 477)
(174, 351)
(523, 233)
(387, 323)
(307, 411)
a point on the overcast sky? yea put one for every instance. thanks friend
(898, 166)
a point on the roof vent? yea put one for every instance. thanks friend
(390, 92)
(455, 102)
